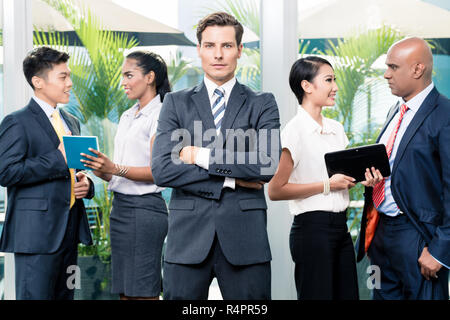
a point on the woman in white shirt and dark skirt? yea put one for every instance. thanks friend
(138, 220)
(320, 244)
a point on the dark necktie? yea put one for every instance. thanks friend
(218, 108)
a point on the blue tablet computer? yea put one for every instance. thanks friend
(74, 145)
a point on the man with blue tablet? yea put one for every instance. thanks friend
(45, 218)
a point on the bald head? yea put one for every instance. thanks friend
(410, 66)
(416, 51)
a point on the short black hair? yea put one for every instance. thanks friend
(304, 69)
(220, 19)
(150, 61)
(41, 60)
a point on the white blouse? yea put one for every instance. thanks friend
(308, 142)
(132, 146)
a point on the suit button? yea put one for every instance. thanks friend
(217, 170)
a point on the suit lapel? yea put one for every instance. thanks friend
(70, 123)
(392, 112)
(236, 101)
(425, 109)
(203, 106)
(44, 122)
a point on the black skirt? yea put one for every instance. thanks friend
(138, 226)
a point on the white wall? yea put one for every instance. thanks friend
(17, 41)
(279, 48)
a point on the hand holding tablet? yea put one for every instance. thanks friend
(74, 146)
(354, 162)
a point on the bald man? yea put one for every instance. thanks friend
(405, 228)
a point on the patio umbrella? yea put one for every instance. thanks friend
(147, 31)
(340, 18)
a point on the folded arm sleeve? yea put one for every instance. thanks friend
(261, 160)
(167, 168)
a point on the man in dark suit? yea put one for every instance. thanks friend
(217, 213)
(405, 228)
(45, 217)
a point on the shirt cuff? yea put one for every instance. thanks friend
(440, 262)
(202, 158)
(229, 183)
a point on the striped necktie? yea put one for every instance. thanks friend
(218, 108)
(59, 128)
(378, 189)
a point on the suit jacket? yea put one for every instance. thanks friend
(38, 183)
(420, 179)
(199, 208)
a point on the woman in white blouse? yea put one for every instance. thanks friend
(138, 220)
(320, 244)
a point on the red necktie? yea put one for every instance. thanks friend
(378, 190)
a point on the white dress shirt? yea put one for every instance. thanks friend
(202, 158)
(308, 142)
(132, 146)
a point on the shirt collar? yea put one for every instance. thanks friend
(312, 126)
(227, 86)
(415, 103)
(47, 108)
(156, 101)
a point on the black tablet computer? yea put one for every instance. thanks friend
(353, 162)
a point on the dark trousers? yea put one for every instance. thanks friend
(44, 276)
(324, 257)
(395, 249)
(191, 282)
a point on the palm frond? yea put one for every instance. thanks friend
(177, 67)
(249, 68)
(354, 58)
